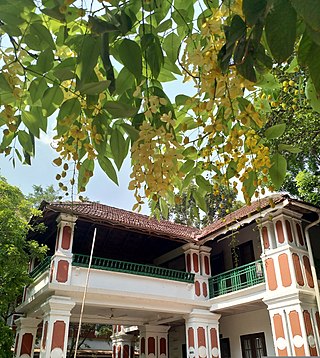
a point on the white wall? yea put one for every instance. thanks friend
(234, 326)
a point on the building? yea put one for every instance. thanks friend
(245, 286)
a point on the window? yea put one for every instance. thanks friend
(253, 345)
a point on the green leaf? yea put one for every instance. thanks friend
(120, 110)
(42, 35)
(199, 198)
(83, 178)
(278, 170)
(304, 48)
(87, 58)
(171, 45)
(131, 131)
(45, 61)
(249, 183)
(31, 123)
(131, 57)
(275, 131)
(313, 64)
(107, 167)
(281, 29)
(267, 82)
(118, 147)
(164, 208)
(4, 85)
(152, 50)
(203, 183)
(309, 10)
(187, 166)
(93, 88)
(99, 26)
(289, 148)
(190, 153)
(37, 88)
(231, 170)
(181, 99)
(52, 99)
(253, 10)
(25, 141)
(164, 26)
(312, 96)
(70, 108)
(124, 81)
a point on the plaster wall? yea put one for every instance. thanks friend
(234, 326)
(134, 285)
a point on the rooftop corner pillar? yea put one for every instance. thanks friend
(61, 264)
(122, 343)
(153, 341)
(202, 332)
(56, 318)
(290, 294)
(198, 262)
(25, 336)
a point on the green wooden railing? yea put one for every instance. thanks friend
(132, 268)
(39, 269)
(236, 279)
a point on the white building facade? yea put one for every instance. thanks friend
(245, 286)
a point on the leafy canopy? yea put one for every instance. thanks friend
(97, 71)
(15, 254)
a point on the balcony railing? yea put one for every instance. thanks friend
(132, 268)
(236, 279)
(39, 269)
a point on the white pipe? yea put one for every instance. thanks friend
(313, 269)
(84, 294)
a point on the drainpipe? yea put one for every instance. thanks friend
(313, 269)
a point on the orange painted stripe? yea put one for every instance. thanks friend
(297, 269)
(280, 233)
(271, 275)
(307, 267)
(279, 332)
(296, 331)
(284, 270)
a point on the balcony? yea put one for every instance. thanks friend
(132, 268)
(236, 279)
(39, 269)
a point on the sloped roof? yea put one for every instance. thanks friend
(134, 221)
(241, 213)
(124, 218)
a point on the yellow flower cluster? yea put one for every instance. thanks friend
(228, 124)
(155, 156)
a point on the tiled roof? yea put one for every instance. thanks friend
(135, 221)
(241, 213)
(124, 218)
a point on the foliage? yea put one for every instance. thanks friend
(15, 253)
(39, 194)
(87, 330)
(99, 68)
(308, 185)
(218, 205)
(289, 106)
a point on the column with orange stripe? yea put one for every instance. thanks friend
(290, 294)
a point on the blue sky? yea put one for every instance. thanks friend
(100, 188)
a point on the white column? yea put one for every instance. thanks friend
(57, 312)
(122, 343)
(61, 264)
(202, 332)
(25, 336)
(153, 341)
